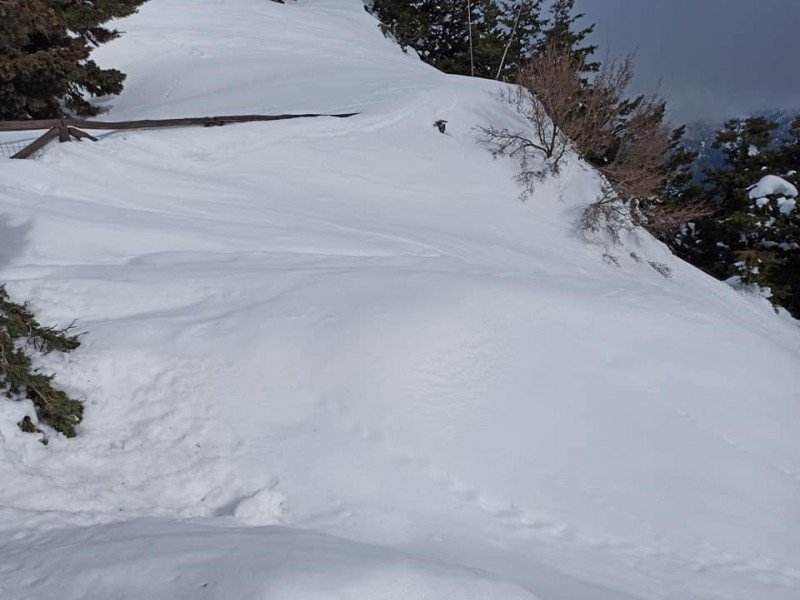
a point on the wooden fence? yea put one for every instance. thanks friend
(66, 129)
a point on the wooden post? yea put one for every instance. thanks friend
(63, 132)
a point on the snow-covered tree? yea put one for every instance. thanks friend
(753, 238)
(487, 38)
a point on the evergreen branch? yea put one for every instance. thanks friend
(20, 331)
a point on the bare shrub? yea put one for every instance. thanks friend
(553, 81)
(607, 216)
(610, 215)
(630, 144)
(595, 125)
(662, 219)
(538, 150)
(547, 95)
(661, 269)
(636, 165)
(627, 140)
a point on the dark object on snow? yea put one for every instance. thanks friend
(441, 124)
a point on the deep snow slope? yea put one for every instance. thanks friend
(340, 358)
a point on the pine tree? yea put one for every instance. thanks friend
(45, 69)
(435, 30)
(520, 25)
(439, 31)
(710, 244)
(789, 156)
(679, 183)
(745, 145)
(561, 30)
(753, 238)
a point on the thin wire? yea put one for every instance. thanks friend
(471, 55)
(510, 39)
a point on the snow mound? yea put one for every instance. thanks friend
(354, 327)
(786, 205)
(185, 561)
(772, 184)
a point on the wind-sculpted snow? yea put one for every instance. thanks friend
(174, 561)
(356, 328)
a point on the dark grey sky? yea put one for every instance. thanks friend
(712, 58)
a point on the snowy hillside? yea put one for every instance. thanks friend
(339, 358)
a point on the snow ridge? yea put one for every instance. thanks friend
(339, 357)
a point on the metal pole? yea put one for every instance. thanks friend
(471, 55)
(510, 39)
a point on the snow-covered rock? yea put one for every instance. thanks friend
(786, 205)
(772, 185)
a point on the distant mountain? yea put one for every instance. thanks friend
(700, 136)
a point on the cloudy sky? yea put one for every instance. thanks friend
(712, 58)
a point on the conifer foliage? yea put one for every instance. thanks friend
(487, 38)
(45, 46)
(20, 335)
(753, 237)
(562, 30)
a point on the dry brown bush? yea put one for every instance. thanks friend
(547, 95)
(661, 220)
(626, 140)
(623, 139)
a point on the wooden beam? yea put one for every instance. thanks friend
(205, 121)
(27, 125)
(154, 123)
(37, 144)
(80, 135)
(63, 129)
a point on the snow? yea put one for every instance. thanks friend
(339, 358)
(786, 205)
(200, 560)
(772, 184)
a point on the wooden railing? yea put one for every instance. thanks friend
(68, 128)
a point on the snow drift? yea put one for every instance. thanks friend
(354, 328)
(171, 561)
